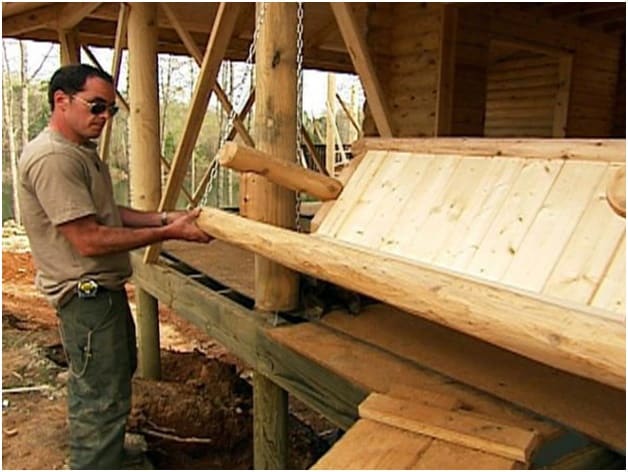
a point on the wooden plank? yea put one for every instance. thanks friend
(553, 225)
(417, 208)
(387, 211)
(586, 256)
(609, 150)
(352, 192)
(446, 71)
(594, 409)
(375, 370)
(561, 335)
(496, 251)
(471, 226)
(404, 392)
(372, 445)
(372, 210)
(31, 20)
(345, 174)
(460, 190)
(358, 50)
(458, 427)
(222, 29)
(270, 424)
(442, 455)
(611, 293)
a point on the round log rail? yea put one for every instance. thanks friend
(281, 172)
(567, 337)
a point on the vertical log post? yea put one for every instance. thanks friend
(144, 162)
(276, 287)
(330, 135)
(70, 47)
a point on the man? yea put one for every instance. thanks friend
(80, 241)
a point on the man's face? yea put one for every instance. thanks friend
(79, 112)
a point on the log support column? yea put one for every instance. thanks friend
(276, 287)
(144, 162)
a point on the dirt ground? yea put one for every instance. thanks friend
(199, 416)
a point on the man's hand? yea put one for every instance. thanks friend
(183, 226)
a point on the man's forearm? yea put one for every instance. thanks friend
(140, 219)
(107, 239)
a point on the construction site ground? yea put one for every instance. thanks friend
(199, 416)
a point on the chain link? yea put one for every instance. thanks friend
(238, 90)
(299, 120)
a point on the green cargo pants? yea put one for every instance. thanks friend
(99, 338)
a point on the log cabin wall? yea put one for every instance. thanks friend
(619, 130)
(405, 42)
(521, 93)
(572, 71)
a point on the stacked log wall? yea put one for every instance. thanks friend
(521, 94)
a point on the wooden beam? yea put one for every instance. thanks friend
(358, 49)
(349, 115)
(276, 287)
(218, 40)
(561, 106)
(307, 140)
(70, 47)
(25, 22)
(330, 136)
(144, 164)
(195, 52)
(606, 150)
(458, 427)
(332, 395)
(564, 336)
(280, 171)
(447, 65)
(270, 449)
(73, 13)
(121, 39)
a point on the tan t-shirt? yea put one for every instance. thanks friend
(61, 181)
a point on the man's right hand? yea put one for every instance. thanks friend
(184, 227)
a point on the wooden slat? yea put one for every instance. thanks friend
(511, 224)
(554, 224)
(442, 455)
(400, 237)
(360, 55)
(611, 293)
(472, 225)
(586, 256)
(217, 45)
(366, 214)
(594, 409)
(609, 150)
(389, 207)
(372, 445)
(425, 243)
(404, 392)
(458, 427)
(561, 108)
(352, 192)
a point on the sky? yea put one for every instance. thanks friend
(314, 82)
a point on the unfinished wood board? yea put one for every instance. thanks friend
(371, 445)
(480, 210)
(587, 255)
(611, 294)
(548, 234)
(403, 392)
(508, 229)
(378, 371)
(594, 409)
(352, 192)
(458, 427)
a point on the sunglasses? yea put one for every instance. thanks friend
(98, 107)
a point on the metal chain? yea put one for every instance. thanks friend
(299, 120)
(238, 89)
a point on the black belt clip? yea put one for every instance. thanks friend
(87, 288)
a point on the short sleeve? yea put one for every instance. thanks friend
(61, 185)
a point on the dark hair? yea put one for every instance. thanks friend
(71, 79)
